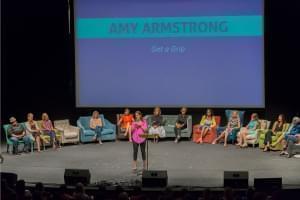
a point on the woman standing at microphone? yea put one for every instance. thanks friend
(138, 127)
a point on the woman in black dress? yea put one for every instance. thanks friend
(277, 127)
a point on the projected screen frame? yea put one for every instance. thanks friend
(77, 84)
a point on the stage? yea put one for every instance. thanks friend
(187, 163)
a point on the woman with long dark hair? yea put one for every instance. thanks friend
(138, 128)
(207, 122)
(277, 127)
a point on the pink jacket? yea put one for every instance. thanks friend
(138, 128)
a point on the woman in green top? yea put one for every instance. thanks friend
(250, 129)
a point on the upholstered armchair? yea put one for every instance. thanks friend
(210, 136)
(45, 138)
(9, 143)
(276, 138)
(254, 139)
(120, 133)
(170, 121)
(233, 135)
(293, 148)
(87, 134)
(69, 133)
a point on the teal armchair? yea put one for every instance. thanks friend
(9, 143)
(87, 134)
(233, 135)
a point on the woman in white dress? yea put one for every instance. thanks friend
(156, 124)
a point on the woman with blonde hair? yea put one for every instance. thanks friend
(234, 122)
(96, 125)
(47, 128)
(33, 130)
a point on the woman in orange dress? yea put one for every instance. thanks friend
(125, 123)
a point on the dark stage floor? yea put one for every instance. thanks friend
(187, 163)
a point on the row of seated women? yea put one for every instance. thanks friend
(209, 122)
(250, 131)
(32, 132)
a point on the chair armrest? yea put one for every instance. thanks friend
(196, 126)
(189, 123)
(170, 125)
(298, 139)
(108, 124)
(261, 132)
(80, 125)
(58, 129)
(279, 132)
(42, 132)
(74, 128)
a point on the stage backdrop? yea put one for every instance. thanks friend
(198, 53)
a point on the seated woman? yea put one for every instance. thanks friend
(279, 140)
(47, 128)
(233, 123)
(291, 137)
(206, 124)
(277, 126)
(33, 130)
(250, 129)
(96, 125)
(125, 122)
(181, 123)
(157, 123)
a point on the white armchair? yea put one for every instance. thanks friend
(69, 133)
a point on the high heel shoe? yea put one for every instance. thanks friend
(245, 145)
(283, 153)
(266, 149)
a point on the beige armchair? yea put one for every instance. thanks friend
(69, 133)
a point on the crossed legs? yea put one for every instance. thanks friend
(242, 137)
(223, 135)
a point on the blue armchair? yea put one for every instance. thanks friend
(233, 135)
(87, 134)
